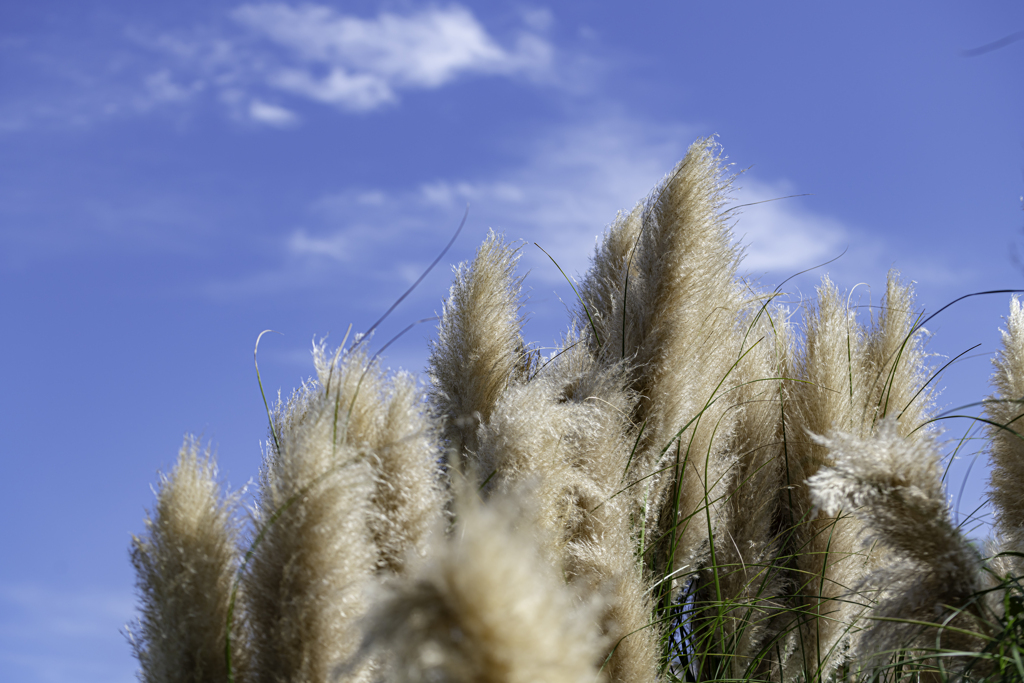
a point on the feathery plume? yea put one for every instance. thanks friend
(563, 438)
(407, 500)
(894, 485)
(895, 361)
(684, 345)
(525, 444)
(484, 608)
(386, 417)
(186, 564)
(736, 598)
(1005, 409)
(663, 296)
(352, 488)
(831, 395)
(479, 351)
(852, 378)
(314, 552)
(606, 286)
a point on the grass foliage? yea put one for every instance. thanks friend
(693, 487)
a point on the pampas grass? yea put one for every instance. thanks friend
(893, 485)
(486, 607)
(692, 486)
(479, 351)
(1005, 410)
(186, 563)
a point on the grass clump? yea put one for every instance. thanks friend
(691, 488)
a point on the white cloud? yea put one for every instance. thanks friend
(780, 234)
(272, 115)
(359, 92)
(161, 88)
(446, 194)
(367, 60)
(336, 246)
(569, 187)
(268, 51)
(425, 49)
(314, 52)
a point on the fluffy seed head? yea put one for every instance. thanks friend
(1006, 410)
(683, 344)
(314, 552)
(186, 564)
(479, 350)
(894, 485)
(485, 608)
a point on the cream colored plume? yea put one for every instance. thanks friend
(893, 484)
(738, 598)
(851, 377)
(896, 367)
(605, 288)
(350, 489)
(682, 342)
(479, 351)
(486, 607)
(563, 440)
(186, 564)
(1006, 410)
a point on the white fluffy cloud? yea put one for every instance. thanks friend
(268, 59)
(368, 60)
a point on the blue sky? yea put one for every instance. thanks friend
(177, 177)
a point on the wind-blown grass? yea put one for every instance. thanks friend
(692, 487)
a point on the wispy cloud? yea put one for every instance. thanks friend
(780, 233)
(161, 88)
(313, 53)
(369, 60)
(272, 115)
(360, 92)
(570, 185)
(336, 246)
(567, 187)
(262, 60)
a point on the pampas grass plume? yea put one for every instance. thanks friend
(1005, 410)
(894, 485)
(479, 350)
(314, 552)
(185, 565)
(485, 608)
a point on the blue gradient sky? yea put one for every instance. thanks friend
(177, 177)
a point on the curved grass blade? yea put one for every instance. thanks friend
(586, 310)
(259, 380)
